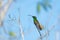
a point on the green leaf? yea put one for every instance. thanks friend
(38, 7)
(12, 34)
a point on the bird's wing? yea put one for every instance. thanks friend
(37, 26)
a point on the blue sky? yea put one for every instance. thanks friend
(28, 7)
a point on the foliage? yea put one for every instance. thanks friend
(45, 4)
(12, 34)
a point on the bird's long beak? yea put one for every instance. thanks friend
(30, 15)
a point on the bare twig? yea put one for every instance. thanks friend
(20, 26)
(3, 12)
(47, 33)
(21, 30)
(49, 30)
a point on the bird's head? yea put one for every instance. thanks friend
(34, 17)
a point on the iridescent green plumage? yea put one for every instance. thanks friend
(37, 24)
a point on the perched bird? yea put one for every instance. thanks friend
(37, 24)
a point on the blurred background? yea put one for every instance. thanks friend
(20, 9)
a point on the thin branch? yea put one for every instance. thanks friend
(48, 31)
(3, 12)
(21, 30)
(20, 26)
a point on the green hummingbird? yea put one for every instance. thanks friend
(37, 24)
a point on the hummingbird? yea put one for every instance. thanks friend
(37, 24)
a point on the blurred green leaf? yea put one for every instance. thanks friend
(38, 7)
(12, 34)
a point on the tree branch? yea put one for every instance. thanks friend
(4, 10)
(21, 30)
(20, 25)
